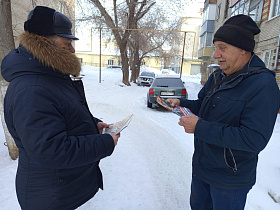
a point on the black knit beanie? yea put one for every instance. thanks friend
(238, 31)
(47, 21)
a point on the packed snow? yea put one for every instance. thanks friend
(151, 165)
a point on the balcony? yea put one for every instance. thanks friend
(204, 52)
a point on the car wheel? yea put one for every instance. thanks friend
(150, 105)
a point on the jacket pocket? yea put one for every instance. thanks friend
(230, 160)
(225, 109)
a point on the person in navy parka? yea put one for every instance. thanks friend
(233, 120)
(60, 142)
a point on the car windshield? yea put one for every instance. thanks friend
(149, 74)
(168, 82)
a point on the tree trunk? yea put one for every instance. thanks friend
(13, 150)
(6, 44)
(131, 64)
(137, 67)
(125, 67)
(136, 64)
(132, 16)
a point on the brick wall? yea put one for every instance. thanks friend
(268, 38)
(278, 78)
(265, 12)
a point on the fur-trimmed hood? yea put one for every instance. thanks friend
(36, 55)
(49, 55)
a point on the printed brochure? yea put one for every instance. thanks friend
(179, 110)
(118, 126)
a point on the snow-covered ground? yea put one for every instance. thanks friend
(151, 165)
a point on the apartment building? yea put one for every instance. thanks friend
(21, 9)
(266, 13)
(206, 36)
(268, 42)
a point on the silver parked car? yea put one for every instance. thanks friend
(166, 87)
(114, 67)
(145, 78)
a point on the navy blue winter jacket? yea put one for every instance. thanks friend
(237, 121)
(58, 139)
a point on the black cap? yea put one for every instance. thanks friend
(47, 21)
(238, 31)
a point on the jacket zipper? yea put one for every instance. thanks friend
(234, 167)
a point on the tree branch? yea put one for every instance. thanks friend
(139, 15)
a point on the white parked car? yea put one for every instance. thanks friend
(145, 78)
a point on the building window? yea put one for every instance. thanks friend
(206, 40)
(268, 58)
(110, 62)
(274, 8)
(205, 14)
(254, 14)
(219, 11)
(241, 7)
(209, 38)
(59, 6)
(255, 11)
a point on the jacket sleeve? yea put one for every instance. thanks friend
(255, 125)
(194, 105)
(41, 127)
(96, 120)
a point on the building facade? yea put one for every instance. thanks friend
(206, 37)
(174, 55)
(268, 42)
(266, 13)
(21, 9)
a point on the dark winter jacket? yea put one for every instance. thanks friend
(48, 117)
(237, 121)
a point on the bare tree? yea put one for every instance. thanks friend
(124, 14)
(152, 39)
(135, 61)
(6, 44)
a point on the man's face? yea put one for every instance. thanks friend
(64, 43)
(229, 57)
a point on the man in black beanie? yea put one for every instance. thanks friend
(60, 142)
(233, 119)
